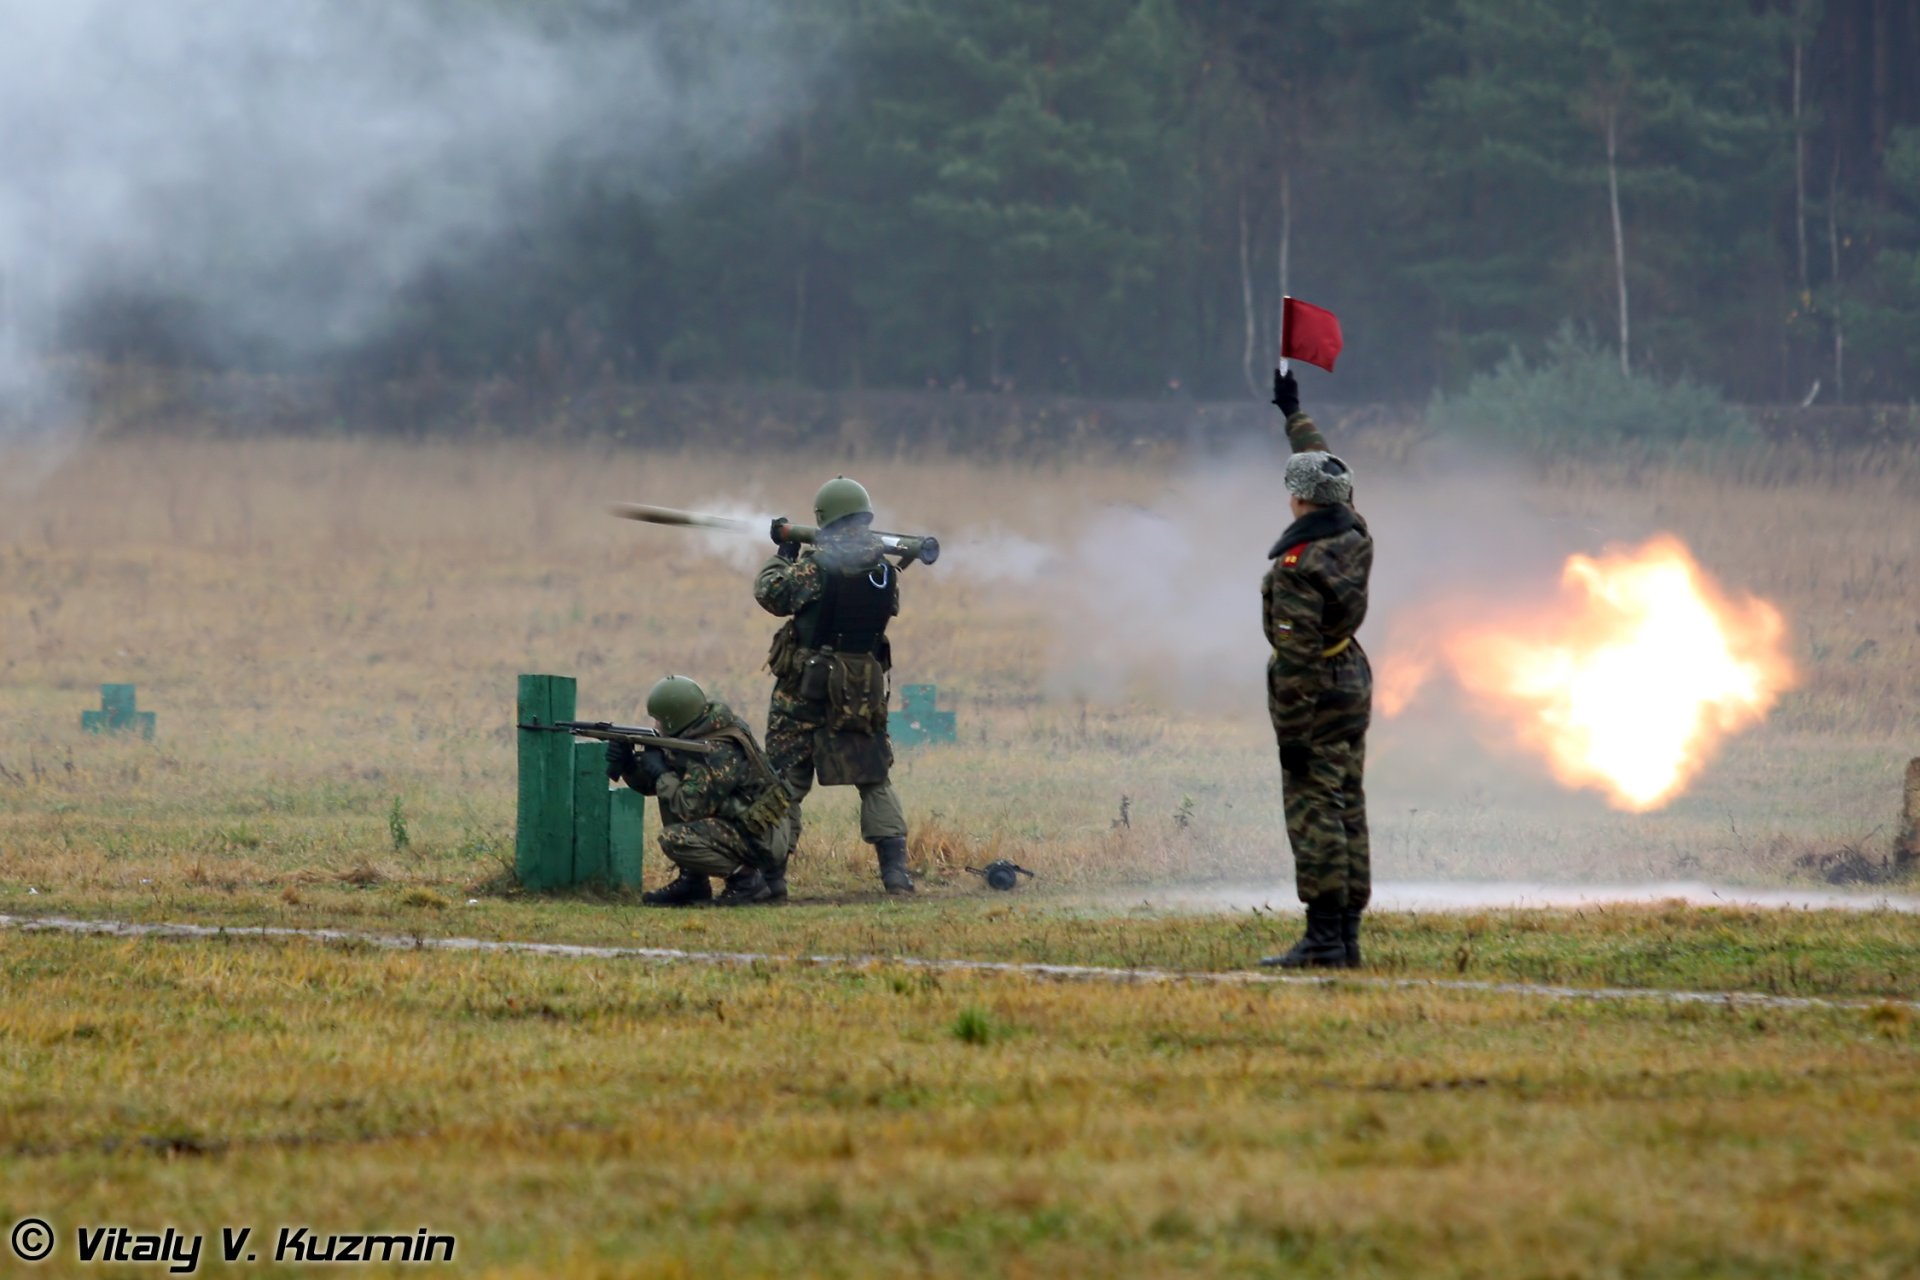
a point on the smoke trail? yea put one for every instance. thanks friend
(271, 176)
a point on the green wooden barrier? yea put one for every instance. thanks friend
(573, 828)
(119, 712)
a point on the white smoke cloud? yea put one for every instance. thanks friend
(1163, 599)
(289, 167)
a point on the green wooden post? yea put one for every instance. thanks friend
(592, 813)
(626, 837)
(543, 842)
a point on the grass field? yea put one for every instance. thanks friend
(329, 632)
(578, 1118)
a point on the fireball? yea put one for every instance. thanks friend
(1627, 683)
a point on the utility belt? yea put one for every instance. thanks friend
(788, 657)
(1331, 651)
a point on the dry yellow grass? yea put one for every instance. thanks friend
(328, 626)
(589, 1119)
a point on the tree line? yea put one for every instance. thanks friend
(1111, 196)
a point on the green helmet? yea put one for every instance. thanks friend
(839, 498)
(676, 702)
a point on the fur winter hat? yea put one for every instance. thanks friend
(1320, 478)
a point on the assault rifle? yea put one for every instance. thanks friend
(606, 731)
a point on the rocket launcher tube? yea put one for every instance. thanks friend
(922, 547)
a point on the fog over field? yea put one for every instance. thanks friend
(267, 179)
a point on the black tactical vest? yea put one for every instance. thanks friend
(852, 612)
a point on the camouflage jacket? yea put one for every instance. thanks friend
(795, 589)
(723, 784)
(1315, 597)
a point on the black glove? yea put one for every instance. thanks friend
(1296, 758)
(619, 759)
(652, 766)
(1286, 394)
(785, 548)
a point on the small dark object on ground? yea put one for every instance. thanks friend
(1847, 865)
(1003, 875)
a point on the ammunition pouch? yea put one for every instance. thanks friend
(766, 812)
(763, 816)
(783, 656)
(814, 675)
(856, 692)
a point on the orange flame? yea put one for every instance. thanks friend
(1627, 684)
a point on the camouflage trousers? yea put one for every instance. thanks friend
(792, 740)
(706, 847)
(1327, 825)
(1327, 804)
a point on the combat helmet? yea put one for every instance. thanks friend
(839, 498)
(676, 702)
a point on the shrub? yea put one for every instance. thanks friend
(1577, 399)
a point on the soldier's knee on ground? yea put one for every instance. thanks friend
(697, 853)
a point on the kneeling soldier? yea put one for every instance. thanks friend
(725, 813)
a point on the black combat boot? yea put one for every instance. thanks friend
(1322, 947)
(776, 883)
(745, 888)
(893, 864)
(1350, 934)
(689, 890)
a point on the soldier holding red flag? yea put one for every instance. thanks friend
(1319, 685)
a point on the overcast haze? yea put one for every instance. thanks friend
(283, 170)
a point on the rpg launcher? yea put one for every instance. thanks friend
(910, 547)
(638, 735)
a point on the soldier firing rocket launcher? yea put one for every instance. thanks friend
(909, 547)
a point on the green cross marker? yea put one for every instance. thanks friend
(117, 713)
(917, 722)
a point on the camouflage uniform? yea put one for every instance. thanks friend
(1320, 688)
(801, 738)
(710, 804)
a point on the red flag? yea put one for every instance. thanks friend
(1309, 333)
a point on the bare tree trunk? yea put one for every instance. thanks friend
(798, 341)
(1246, 299)
(1619, 234)
(1286, 257)
(1799, 168)
(1833, 251)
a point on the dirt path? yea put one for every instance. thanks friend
(1051, 972)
